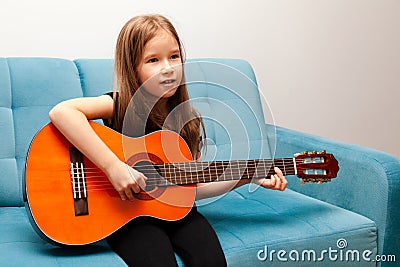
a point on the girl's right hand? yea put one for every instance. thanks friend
(125, 179)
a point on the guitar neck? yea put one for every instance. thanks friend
(204, 172)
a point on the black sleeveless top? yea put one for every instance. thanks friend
(150, 126)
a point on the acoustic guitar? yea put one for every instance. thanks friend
(71, 202)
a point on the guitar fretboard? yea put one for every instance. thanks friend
(203, 172)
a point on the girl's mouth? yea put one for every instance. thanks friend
(166, 82)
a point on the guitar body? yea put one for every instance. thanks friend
(56, 214)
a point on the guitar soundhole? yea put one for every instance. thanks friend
(147, 169)
(143, 162)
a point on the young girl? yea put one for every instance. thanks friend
(149, 46)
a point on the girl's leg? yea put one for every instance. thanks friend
(196, 242)
(142, 242)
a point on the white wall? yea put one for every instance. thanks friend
(327, 67)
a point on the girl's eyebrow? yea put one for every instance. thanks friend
(149, 56)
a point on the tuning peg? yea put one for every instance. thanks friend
(304, 153)
(302, 181)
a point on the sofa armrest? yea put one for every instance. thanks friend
(368, 181)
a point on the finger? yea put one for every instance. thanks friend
(122, 195)
(284, 183)
(270, 183)
(141, 182)
(277, 183)
(129, 194)
(278, 171)
(133, 185)
(135, 189)
(261, 182)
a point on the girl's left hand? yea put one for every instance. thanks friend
(276, 181)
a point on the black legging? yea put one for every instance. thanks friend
(146, 241)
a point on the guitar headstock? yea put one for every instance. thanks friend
(316, 167)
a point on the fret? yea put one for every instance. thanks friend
(180, 174)
(231, 169)
(209, 172)
(190, 172)
(273, 167)
(225, 166)
(236, 166)
(262, 169)
(247, 170)
(169, 172)
(216, 171)
(284, 167)
(194, 178)
(224, 169)
(256, 169)
(266, 170)
(270, 168)
(197, 174)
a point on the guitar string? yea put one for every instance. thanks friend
(110, 187)
(100, 186)
(197, 171)
(177, 170)
(209, 164)
(174, 175)
(203, 165)
(106, 185)
(222, 163)
(91, 188)
(206, 177)
(273, 162)
(202, 172)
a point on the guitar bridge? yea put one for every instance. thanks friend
(78, 181)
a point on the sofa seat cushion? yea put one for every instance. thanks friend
(246, 222)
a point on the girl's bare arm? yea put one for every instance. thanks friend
(71, 119)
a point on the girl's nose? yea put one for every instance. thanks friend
(166, 68)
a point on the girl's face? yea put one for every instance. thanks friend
(160, 69)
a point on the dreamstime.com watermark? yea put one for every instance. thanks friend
(338, 253)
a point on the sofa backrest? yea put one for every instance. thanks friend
(224, 91)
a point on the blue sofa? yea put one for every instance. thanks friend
(353, 220)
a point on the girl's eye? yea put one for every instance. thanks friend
(175, 56)
(152, 60)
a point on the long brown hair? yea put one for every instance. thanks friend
(132, 39)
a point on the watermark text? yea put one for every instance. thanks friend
(338, 253)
